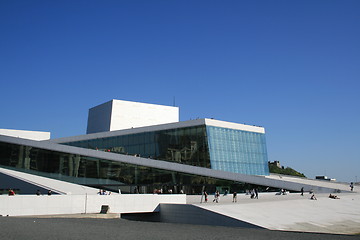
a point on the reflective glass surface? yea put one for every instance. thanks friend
(237, 151)
(181, 145)
(98, 172)
(204, 146)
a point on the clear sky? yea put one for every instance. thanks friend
(290, 66)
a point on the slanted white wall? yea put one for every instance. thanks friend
(25, 205)
(119, 115)
(32, 135)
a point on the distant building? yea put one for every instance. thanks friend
(325, 178)
(275, 163)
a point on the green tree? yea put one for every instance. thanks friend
(285, 171)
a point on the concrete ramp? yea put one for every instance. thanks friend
(294, 212)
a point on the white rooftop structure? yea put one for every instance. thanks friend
(32, 135)
(120, 114)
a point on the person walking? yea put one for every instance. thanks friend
(206, 196)
(216, 197)
(234, 196)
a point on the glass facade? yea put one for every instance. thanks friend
(101, 173)
(181, 145)
(204, 146)
(237, 151)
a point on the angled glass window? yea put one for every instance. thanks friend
(237, 151)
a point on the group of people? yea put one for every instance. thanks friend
(333, 196)
(254, 195)
(282, 192)
(103, 192)
(38, 192)
(216, 196)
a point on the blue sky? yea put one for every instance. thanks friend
(290, 66)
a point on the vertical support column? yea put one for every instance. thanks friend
(77, 159)
(98, 168)
(136, 175)
(61, 164)
(27, 157)
(20, 157)
(71, 165)
(174, 182)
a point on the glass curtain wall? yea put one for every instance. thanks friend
(204, 146)
(182, 145)
(100, 173)
(237, 151)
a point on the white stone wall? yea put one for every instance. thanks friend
(127, 115)
(26, 205)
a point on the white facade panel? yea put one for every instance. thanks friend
(127, 115)
(23, 205)
(32, 135)
(119, 115)
(237, 126)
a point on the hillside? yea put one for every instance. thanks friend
(286, 171)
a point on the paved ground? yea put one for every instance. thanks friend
(291, 212)
(95, 229)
